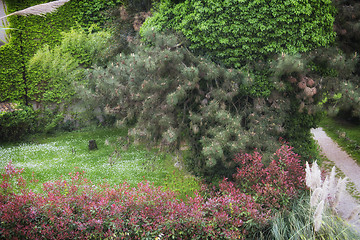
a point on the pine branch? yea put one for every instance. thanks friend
(39, 9)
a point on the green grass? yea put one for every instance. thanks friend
(298, 224)
(49, 158)
(347, 135)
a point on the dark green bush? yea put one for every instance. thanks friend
(175, 96)
(250, 35)
(14, 126)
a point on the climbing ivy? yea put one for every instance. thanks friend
(235, 32)
(55, 71)
(31, 33)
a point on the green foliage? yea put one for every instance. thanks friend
(298, 224)
(174, 96)
(14, 126)
(91, 12)
(300, 138)
(11, 66)
(345, 133)
(28, 34)
(234, 33)
(347, 25)
(52, 72)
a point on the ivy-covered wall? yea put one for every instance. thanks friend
(238, 32)
(32, 33)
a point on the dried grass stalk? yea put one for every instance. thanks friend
(39, 9)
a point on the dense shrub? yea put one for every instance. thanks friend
(76, 209)
(17, 124)
(250, 34)
(347, 25)
(55, 70)
(174, 96)
(339, 79)
(274, 185)
(31, 33)
(236, 32)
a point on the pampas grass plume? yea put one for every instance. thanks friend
(340, 189)
(318, 215)
(316, 197)
(325, 187)
(313, 176)
(39, 9)
(332, 182)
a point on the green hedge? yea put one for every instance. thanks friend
(235, 32)
(15, 125)
(32, 32)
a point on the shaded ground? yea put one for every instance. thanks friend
(347, 166)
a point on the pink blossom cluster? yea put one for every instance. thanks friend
(272, 186)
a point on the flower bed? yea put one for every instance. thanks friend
(77, 209)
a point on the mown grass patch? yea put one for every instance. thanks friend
(346, 134)
(48, 158)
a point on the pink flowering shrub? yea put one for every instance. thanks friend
(77, 209)
(272, 186)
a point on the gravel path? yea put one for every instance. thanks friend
(348, 166)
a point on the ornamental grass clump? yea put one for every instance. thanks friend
(314, 216)
(324, 193)
(298, 224)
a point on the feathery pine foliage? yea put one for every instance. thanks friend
(173, 96)
(339, 81)
(125, 24)
(236, 32)
(340, 68)
(248, 35)
(347, 25)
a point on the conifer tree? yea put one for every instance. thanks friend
(174, 96)
(347, 27)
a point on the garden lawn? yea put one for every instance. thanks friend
(52, 157)
(346, 134)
